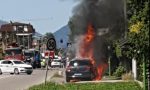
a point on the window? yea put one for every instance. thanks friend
(6, 62)
(13, 51)
(9, 62)
(18, 62)
(29, 54)
(80, 62)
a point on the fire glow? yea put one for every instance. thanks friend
(87, 51)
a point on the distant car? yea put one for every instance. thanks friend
(80, 69)
(56, 63)
(15, 67)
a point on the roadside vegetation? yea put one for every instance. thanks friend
(88, 86)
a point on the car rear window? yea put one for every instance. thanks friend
(80, 62)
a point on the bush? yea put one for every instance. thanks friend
(127, 76)
(119, 71)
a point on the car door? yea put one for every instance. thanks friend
(4, 66)
(10, 67)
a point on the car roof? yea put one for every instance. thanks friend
(78, 59)
(11, 60)
(1, 60)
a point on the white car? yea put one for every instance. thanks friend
(56, 63)
(14, 67)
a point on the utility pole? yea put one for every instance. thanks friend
(109, 67)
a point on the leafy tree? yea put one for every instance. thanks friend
(137, 45)
(138, 35)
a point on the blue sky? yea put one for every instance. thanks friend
(44, 15)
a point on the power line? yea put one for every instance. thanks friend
(31, 19)
(37, 19)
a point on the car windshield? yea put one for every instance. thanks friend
(80, 63)
(18, 62)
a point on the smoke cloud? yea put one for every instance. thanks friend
(107, 18)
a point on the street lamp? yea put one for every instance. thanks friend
(109, 60)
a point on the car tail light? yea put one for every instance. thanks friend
(68, 69)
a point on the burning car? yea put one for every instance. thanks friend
(80, 69)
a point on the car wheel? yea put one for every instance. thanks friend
(11, 73)
(29, 73)
(16, 71)
(1, 72)
(67, 79)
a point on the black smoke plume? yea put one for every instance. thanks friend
(107, 18)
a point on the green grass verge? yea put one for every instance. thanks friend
(89, 86)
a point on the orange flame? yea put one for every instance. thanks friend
(90, 34)
(86, 50)
(100, 71)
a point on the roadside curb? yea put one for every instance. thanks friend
(58, 77)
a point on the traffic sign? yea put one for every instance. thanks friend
(51, 44)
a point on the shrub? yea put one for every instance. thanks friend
(127, 76)
(119, 71)
(89, 86)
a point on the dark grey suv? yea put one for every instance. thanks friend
(80, 69)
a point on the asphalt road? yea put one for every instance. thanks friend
(24, 81)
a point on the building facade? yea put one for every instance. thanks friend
(19, 33)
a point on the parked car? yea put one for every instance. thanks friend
(56, 63)
(15, 67)
(32, 56)
(80, 69)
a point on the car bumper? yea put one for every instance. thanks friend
(56, 65)
(21, 70)
(85, 75)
